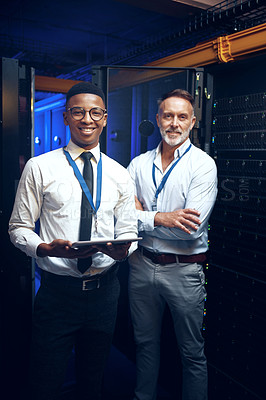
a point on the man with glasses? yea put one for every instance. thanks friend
(77, 193)
(175, 186)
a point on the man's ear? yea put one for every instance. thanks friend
(193, 122)
(65, 118)
(105, 120)
(157, 119)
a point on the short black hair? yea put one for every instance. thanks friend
(85, 87)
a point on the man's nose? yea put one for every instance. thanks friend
(175, 120)
(87, 117)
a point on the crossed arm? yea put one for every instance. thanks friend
(182, 219)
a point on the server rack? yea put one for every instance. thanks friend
(236, 274)
(16, 283)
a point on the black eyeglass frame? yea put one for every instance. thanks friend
(85, 111)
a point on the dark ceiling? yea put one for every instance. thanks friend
(59, 36)
(65, 38)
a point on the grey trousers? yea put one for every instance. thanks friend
(181, 286)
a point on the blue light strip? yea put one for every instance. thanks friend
(50, 106)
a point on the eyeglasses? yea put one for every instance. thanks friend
(78, 113)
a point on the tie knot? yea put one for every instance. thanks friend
(86, 155)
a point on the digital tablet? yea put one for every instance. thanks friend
(104, 241)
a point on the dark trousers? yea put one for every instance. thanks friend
(66, 317)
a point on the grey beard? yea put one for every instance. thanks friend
(176, 141)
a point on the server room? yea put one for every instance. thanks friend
(122, 56)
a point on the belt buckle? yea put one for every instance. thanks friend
(90, 280)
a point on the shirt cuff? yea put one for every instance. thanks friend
(146, 220)
(28, 243)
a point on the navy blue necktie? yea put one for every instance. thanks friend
(86, 210)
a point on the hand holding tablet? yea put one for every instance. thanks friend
(77, 245)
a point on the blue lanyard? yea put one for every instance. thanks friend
(166, 176)
(83, 183)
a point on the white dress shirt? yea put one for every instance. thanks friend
(49, 191)
(191, 184)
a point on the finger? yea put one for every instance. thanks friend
(193, 220)
(103, 248)
(123, 245)
(191, 211)
(185, 229)
(190, 218)
(190, 224)
(184, 224)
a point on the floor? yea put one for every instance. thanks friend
(118, 383)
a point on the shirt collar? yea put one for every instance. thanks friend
(184, 146)
(75, 151)
(178, 152)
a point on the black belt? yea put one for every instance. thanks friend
(90, 283)
(168, 258)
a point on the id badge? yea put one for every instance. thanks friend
(154, 205)
(96, 223)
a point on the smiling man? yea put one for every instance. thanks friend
(85, 125)
(175, 187)
(77, 193)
